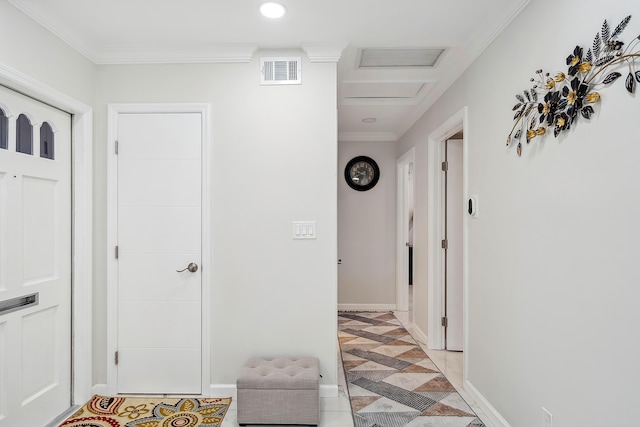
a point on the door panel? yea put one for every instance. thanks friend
(39, 231)
(159, 232)
(5, 241)
(39, 336)
(35, 258)
(167, 327)
(455, 215)
(165, 230)
(143, 269)
(151, 185)
(147, 370)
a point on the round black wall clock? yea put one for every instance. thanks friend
(362, 173)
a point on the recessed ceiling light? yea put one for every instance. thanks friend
(369, 120)
(272, 10)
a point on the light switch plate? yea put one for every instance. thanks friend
(304, 230)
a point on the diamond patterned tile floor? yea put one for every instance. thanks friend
(391, 380)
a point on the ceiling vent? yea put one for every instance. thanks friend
(398, 57)
(280, 71)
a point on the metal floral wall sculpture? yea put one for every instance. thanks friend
(556, 102)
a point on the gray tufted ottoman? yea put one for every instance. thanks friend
(279, 391)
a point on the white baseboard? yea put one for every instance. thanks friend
(366, 307)
(418, 334)
(229, 390)
(328, 390)
(101, 389)
(62, 417)
(490, 412)
(214, 390)
(226, 390)
(221, 390)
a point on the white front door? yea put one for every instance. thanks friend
(455, 215)
(159, 232)
(35, 261)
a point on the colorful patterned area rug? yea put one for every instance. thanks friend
(104, 411)
(391, 380)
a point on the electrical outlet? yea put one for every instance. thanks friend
(547, 418)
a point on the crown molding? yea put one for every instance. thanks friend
(367, 136)
(81, 47)
(458, 60)
(145, 54)
(324, 52)
(495, 25)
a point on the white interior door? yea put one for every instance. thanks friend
(159, 232)
(35, 261)
(455, 215)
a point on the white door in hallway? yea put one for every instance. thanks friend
(159, 233)
(35, 261)
(455, 215)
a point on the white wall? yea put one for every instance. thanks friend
(366, 231)
(35, 52)
(274, 161)
(274, 151)
(553, 285)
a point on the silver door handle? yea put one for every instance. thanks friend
(192, 267)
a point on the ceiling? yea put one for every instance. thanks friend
(160, 31)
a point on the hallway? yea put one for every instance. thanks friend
(336, 411)
(391, 380)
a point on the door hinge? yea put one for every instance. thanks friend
(444, 322)
(117, 252)
(445, 166)
(116, 148)
(116, 356)
(445, 244)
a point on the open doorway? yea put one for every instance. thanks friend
(440, 300)
(453, 201)
(410, 205)
(404, 244)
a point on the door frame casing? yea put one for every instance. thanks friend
(112, 231)
(82, 223)
(402, 227)
(452, 220)
(435, 229)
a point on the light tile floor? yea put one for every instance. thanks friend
(334, 411)
(450, 363)
(391, 389)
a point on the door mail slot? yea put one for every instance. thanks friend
(14, 304)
